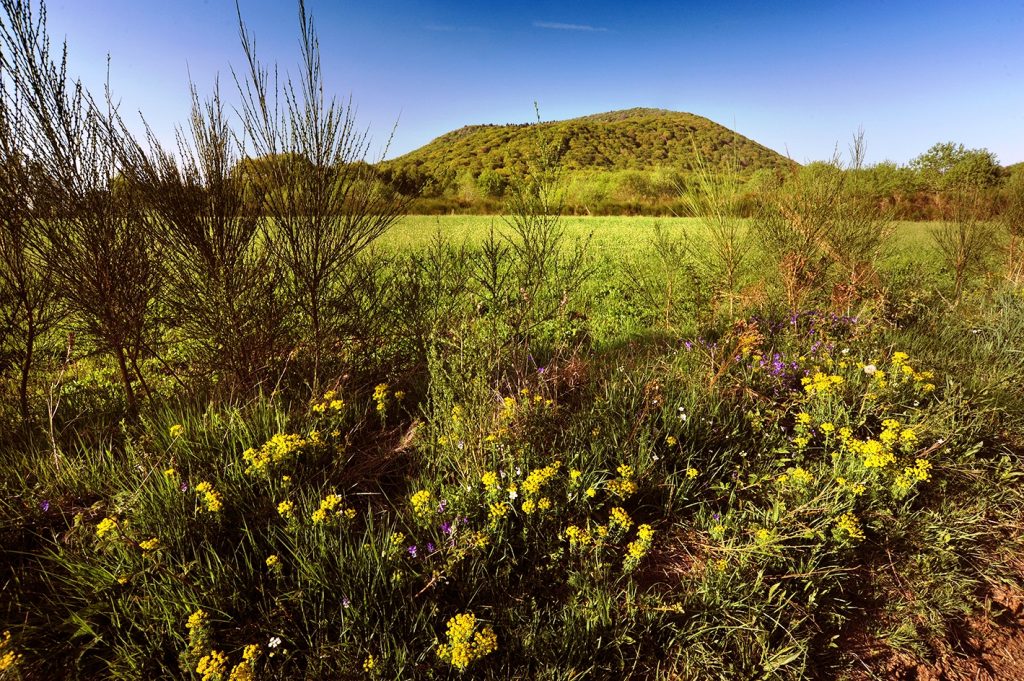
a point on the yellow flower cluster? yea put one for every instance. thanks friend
(286, 509)
(797, 476)
(848, 528)
(331, 508)
(278, 449)
(465, 643)
(496, 511)
(881, 452)
(624, 486)
(854, 488)
(273, 561)
(380, 399)
(210, 498)
(197, 621)
(911, 475)
(489, 479)
(422, 504)
(510, 406)
(533, 488)
(151, 544)
(9, 659)
(619, 520)
(903, 373)
(177, 430)
(198, 633)
(329, 402)
(578, 537)
(821, 383)
(638, 548)
(246, 669)
(369, 664)
(213, 666)
(106, 527)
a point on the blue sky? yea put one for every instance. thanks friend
(799, 77)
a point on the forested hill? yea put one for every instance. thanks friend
(632, 139)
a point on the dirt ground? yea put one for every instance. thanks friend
(988, 647)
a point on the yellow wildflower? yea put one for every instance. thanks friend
(106, 526)
(151, 544)
(213, 666)
(465, 643)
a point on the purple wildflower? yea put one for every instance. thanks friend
(430, 547)
(412, 550)
(442, 505)
(45, 506)
(345, 602)
(446, 527)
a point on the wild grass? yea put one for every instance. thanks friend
(291, 439)
(729, 498)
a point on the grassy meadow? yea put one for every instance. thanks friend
(609, 477)
(258, 423)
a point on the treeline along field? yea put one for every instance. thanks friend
(260, 423)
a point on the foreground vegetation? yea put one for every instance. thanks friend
(321, 440)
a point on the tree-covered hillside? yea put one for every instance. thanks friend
(476, 163)
(634, 139)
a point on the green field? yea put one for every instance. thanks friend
(256, 424)
(504, 471)
(618, 237)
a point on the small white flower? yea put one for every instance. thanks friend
(512, 494)
(845, 351)
(870, 369)
(274, 642)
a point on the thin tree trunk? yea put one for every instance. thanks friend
(26, 367)
(129, 392)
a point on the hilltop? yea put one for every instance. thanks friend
(631, 139)
(626, 161)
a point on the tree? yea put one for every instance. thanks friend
(222, 283)
(320, 218)
(94, 236)
(951, 166)
(31, 307)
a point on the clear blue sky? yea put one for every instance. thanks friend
(799, 77)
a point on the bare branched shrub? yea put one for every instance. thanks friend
(323, 203)
(822, 230)
(1011, 218)
(30, 304)
(663, 279)
(222, 282)
(94, 232)
(965, 242)
(712, 196)
(531, 272)
(428, 296)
